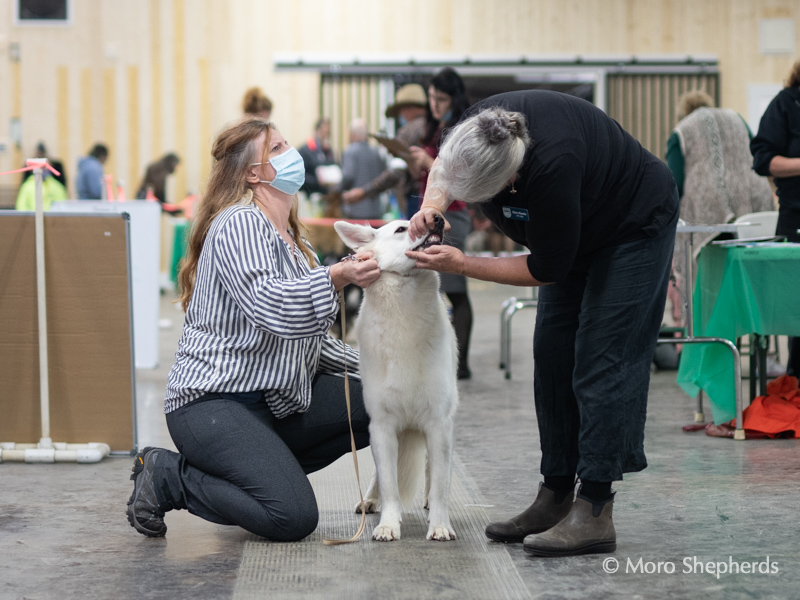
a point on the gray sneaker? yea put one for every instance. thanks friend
(144, 513)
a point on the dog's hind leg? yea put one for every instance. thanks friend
(440, 460)
(372, 500)
(384, 444)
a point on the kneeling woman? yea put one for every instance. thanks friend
(255, 399)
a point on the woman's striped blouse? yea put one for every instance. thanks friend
(258, 319)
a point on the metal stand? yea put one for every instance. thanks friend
(759, 345)
(691, 339)
(507, 310)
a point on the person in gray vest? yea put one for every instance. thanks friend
(708, 153)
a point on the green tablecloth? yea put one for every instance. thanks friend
(178, 248)
(739, 290)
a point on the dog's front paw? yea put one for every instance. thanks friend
(441, 533)
(386, 533)
(370, 506)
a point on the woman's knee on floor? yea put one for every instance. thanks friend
(291, 522)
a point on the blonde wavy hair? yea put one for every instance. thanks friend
(234, 151)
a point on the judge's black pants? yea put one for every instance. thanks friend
(594, 341)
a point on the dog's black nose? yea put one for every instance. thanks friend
(437, 219)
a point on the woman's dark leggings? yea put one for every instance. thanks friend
(239, 465)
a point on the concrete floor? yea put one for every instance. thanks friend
(63, 531)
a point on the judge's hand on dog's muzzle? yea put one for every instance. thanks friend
(424, 220)
(444, 259)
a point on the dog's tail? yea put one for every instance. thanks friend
(410, 464)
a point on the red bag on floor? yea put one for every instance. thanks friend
(775, 415)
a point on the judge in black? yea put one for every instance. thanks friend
(599, 215)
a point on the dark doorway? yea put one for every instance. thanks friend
(483, 86)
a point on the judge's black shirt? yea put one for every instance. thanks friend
(585, 184)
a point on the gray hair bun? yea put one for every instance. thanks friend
(497, 125)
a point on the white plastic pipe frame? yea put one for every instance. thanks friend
(53, 452)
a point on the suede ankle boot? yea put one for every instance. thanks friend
(588, 529)
(540, 516)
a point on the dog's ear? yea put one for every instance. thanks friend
(355, 236)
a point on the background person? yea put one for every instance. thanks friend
(709, 156)
(254, 400)
(256, 103)
(361, 163)
(447, 101)
(317, 152)
(89, 182)
(52, 191)
(41, 152)
(409, 108)
(155, 177)
(598, 213)
(776, 152)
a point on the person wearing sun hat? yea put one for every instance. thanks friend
(411, 95)
(409, 109)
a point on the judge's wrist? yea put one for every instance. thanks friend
(424, 205)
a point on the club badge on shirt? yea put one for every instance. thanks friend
(517, 214)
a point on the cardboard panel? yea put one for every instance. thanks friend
(89, 330)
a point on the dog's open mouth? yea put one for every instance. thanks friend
(434, 236)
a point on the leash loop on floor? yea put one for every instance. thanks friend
(361, 528)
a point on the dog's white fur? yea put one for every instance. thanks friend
(408, 370)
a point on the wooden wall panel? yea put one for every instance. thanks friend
(166, 40)
(645, 104)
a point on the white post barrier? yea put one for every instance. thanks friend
(47, 451)
(60, 452)
(41, 295)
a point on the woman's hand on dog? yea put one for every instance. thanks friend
(444, 259)
(362, 271)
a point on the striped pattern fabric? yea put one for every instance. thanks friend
(258, 319)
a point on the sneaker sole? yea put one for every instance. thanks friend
(596, 548)
(138, 467)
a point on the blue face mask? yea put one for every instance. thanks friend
(290, 172)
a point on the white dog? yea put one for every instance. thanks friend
(408, 370)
